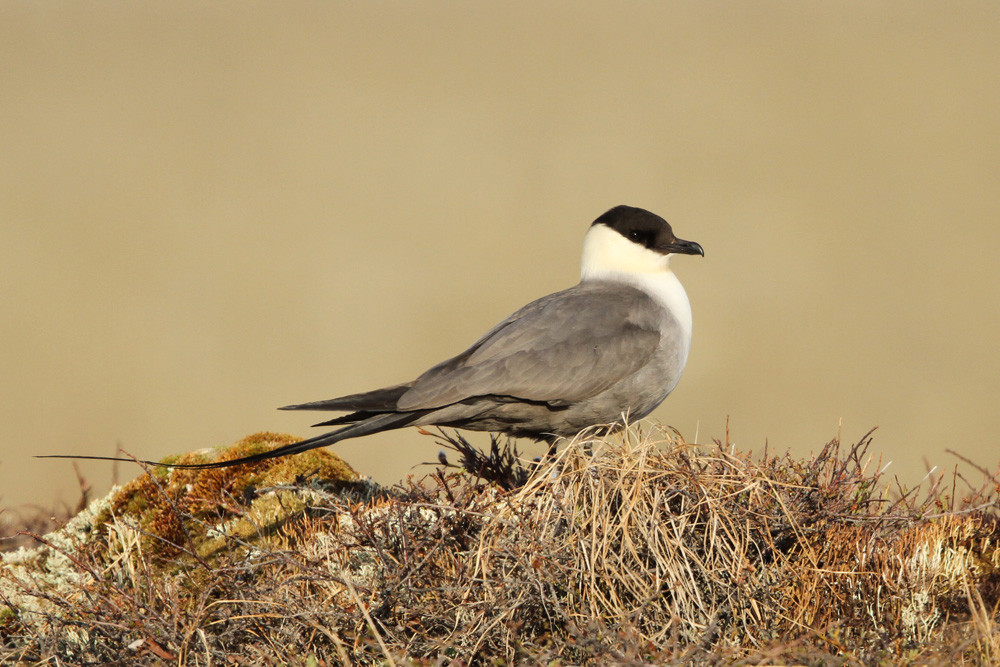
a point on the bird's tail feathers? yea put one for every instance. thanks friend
(374, 424)
(352, 418)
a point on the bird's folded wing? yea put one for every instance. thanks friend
(563, 348)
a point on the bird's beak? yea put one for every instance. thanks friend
(681, 247)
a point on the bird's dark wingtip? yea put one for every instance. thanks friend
(314, 405)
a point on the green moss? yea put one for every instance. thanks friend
(176, 509)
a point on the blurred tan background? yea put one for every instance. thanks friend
(212, 209)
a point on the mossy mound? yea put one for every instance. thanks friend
(179, 509)
(631, 549)
(170, 521)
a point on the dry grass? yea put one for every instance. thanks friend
(636, 548)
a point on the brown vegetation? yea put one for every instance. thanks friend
(627, 549)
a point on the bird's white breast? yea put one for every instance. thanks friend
(607, 255)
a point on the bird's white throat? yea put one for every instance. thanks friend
(607, 255)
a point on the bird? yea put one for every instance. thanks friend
(612, 346)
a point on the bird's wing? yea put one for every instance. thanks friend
(563, 348)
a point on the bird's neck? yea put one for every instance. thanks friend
(609, 256)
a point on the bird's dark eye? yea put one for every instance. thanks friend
(640, 236)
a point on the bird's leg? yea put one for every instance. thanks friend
(552, 447)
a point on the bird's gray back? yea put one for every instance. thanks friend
(561, 350)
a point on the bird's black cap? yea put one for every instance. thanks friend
(647, 229)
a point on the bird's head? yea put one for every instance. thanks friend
(632, 240)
